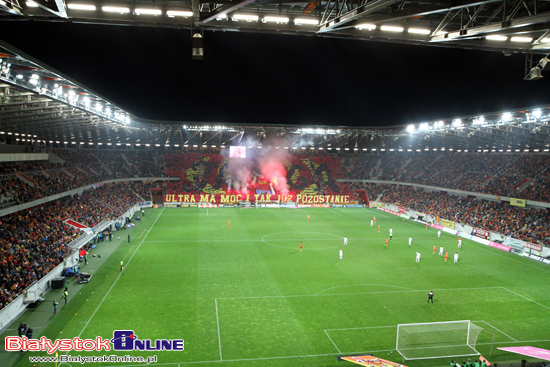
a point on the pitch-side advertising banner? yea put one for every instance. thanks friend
(371, 361)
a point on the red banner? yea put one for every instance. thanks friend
(235, 198)
(481, 233)
(532, 246)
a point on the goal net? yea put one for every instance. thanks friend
(437, 339)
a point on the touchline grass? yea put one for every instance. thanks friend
(234, 285)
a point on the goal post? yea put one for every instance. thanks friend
(437, 339)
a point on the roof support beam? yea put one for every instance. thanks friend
(355, 14)
(495, 27)
(226, 9)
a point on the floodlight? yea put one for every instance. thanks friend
(537, 113)
(32, 4)
(419, 31)
(423, 126)
(115, 9)
(521, 39)
(367, 26)
(497, 38)
(410, 129)
(439, 124)
(81, 7)
(278, 20)
(247, 17)
(147, 11)
(308, 21)
(480, 120)
(390, 28)
(506, 117)
(179, 13)
(457, 123)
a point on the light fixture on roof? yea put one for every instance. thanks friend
(87, 7)
(306, 21)
(32, 4)
(496, 38)
(507, 116)
(391, 28)
(367, 26)
(278, 20)
(410, 129)
(179, 13)
(537, 113)
(247, 17)
(521, 39)
(116, 9)
(147, 11)
(419, 31)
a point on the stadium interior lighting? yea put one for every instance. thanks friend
(439, 124)
(147, 11)
(115, 9)
(521, 39)
(391, 28)
(278, 20)
(306, 21)
(457, 123)
(222, 16)
(537, 113)
(410, 129)
(81, 7)
(32, 4)
(419, 31)
(424, 126)
(179, 13)
(507, 117)
(367, 26)
(480, 120)
(247, 17)
(497, 38)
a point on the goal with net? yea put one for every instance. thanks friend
(437, 339)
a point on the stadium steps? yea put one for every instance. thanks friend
(26, 179)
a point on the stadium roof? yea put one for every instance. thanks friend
(499, 25)
(39, 105)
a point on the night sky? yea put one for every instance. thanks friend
(278, 79)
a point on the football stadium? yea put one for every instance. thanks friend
(131, 241)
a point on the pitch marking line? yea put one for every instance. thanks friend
(332, 341)
(218, 323)
(116, 280)
(380, 292)
(530, 300)
(354, 285)
(500, 331)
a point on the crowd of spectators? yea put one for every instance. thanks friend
(35, 241)
(495, 173)
(528, 224)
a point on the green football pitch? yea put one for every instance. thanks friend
(245, 295)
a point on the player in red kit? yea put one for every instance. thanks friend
(301, 246)
(228, 224)
(308, 217)
(378, 228)
(374, 219)
(387, 242)
(426, 225)
(446, 256)
(435, 249)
